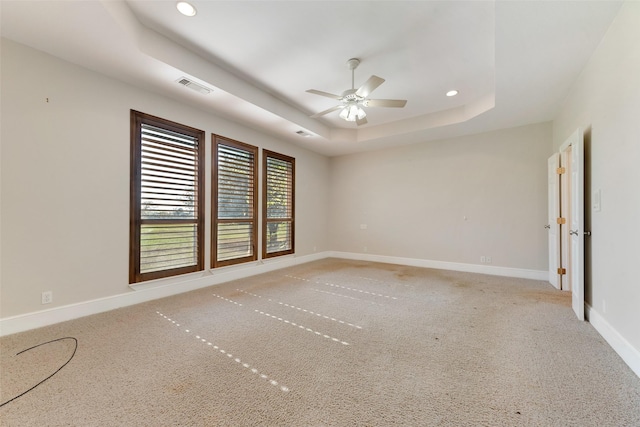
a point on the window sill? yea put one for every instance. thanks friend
(228, 270)
(168, 281)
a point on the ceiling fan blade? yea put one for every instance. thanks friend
(322, 113)
(389, 103)
(362, 121)
(369, 86)
(327, 94)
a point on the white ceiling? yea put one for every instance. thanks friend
(512, 61)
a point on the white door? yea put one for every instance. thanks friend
(552, 224)
(577, 223)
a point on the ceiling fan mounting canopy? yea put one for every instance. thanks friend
(353, 63)
(352, 100)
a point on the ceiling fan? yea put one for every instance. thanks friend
(352, 100)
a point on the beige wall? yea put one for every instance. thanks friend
(65, 188)
(605, 102)
(453, 200)
(65, 179)
(65, 184)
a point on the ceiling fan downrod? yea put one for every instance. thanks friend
(353, 64)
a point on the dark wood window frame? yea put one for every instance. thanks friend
(136, 221)
(252, 206)
(287, 217)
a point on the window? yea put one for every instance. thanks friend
(235, 211)
(278, 208)
(167, 207)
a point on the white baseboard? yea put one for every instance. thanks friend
(161, 288)
(620, 345)
(148, 291)
(444, 265)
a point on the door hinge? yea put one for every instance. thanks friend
(560, 171)
(561, 220)
(562, 271)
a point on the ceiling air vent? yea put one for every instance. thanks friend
(193, 85)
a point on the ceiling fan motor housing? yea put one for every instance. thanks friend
(350, 95)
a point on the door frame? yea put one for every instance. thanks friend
(553, 193)
(572, 238)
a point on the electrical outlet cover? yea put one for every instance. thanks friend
(47, 297)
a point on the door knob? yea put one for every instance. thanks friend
(587, 233)
(573, 232)
(547, 226)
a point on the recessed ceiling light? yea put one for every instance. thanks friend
(186, 8)
(452, 93)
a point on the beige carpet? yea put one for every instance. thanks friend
(329, 343)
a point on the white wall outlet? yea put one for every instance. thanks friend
(314, 249)
(604, 307)
(488, 260)
(483, 259)
(47, 297)
(364, 249)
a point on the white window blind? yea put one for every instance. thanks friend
(168, 200)
(279, 176)
(168, 224)
(235, 220)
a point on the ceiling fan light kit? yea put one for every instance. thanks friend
(353, 112)
(352, 100)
